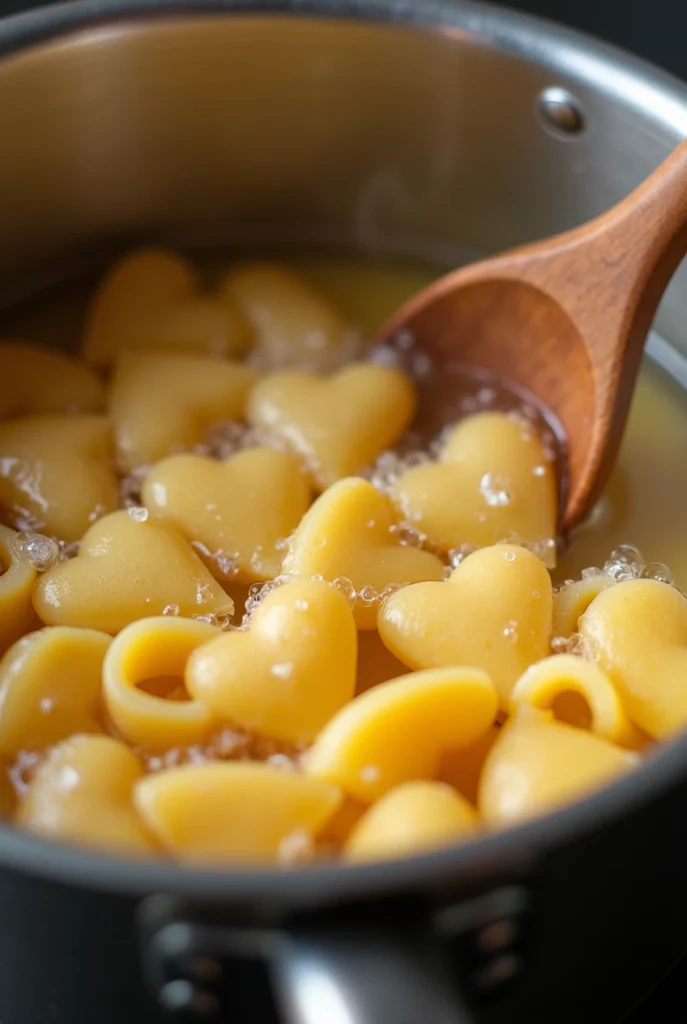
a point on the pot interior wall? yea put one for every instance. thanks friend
(234, 130)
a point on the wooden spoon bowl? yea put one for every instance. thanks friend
(565, 319)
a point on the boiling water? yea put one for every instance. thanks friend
(645, 504)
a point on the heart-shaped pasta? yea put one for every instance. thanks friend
(286, 675)
(161, 403)
(50, 688)
(338, 424)
(232, 812)
(152, 299)
(127, 570)
(538, 764)
(82, 793)
(347, 534)
(494, 612)
(241, 509)
(295, 326)
(36, 381)
(58, 470)
(638, 633)
(156, 650)
(399, 731)
(492, 482)
(17, 577)
(414, 817)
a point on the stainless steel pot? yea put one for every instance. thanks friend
(433, 128)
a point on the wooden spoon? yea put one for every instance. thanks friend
(566, 319)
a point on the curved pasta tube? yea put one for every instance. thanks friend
(151, 649)
(560, 674)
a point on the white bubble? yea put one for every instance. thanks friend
(458, 555)
(592, 572)
(625, 563)
(510, 631)
(343, 584)
(41, 551)
(282, 669)
(494, 490)
(509, 556)
(68, 778)
(370, 773)
(138, 513)
(658, 571)
(367, 596)
(171, 609)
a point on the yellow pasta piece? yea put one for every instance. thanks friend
(338, 424)
(239, 510)
(161, 403)
(544, 683)
(82, 793)
(36, 381)
(494, 612)
(570, 603)
(413, 818)
(17, 577)
(151, 299)
(376, 663)
(127, 570)
(638, 633)
(462, 768)
(155, 648)
(492, 481)
(294, 325)
(289, 672)
(400, 730)
(59, 470)
(538, 764)
(227, 812)
(347, 534)
(50, 686)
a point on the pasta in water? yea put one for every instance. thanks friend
(251, 611)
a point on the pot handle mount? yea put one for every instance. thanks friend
(361, 967)
(371, 976)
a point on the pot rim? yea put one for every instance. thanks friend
(577, 56)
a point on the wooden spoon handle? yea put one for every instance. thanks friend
(617, 267)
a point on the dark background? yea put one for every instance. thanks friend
(656, 29)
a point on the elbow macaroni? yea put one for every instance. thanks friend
(394, 684)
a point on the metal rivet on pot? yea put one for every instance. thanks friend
(183, 997)
(560, 112)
